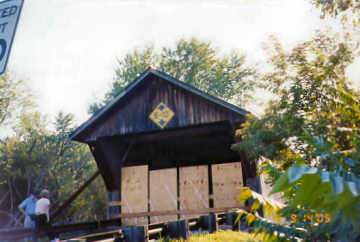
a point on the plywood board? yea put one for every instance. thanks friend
(134, 193)
(226, 179)
(163, 193)
(194, 188)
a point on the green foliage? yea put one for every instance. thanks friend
(334, 191)
(308, 140)
(305, 82)
(192, 61)
(329, 183)
(272, 213)
(230, 236)
(33, 157)
(130, 67)
(38, 158)
(13, 98)
(347, 9)
(269, 206)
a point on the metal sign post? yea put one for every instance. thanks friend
(9, 16)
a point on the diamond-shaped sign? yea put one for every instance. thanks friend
(161, 115)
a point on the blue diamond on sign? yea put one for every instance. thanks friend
(161, 115)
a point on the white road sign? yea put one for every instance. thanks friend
(9, 16)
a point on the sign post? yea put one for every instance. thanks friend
(9, 16)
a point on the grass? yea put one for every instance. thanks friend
(222, 236)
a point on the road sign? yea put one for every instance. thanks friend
(9, 16)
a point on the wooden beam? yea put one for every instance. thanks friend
(114, 203)
(77, 193)
(74, 196)
(175, 212)
(92, 236)
(213, 129)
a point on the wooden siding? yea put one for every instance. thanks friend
(131, 114)
(227, 180)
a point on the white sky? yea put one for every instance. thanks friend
(66, 50)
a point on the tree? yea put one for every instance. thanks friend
(192, 61)
(301, 82)
(14, 98)
(308, 141)
(38, 158)
(338, 7)
(72, 165)
(33, 156)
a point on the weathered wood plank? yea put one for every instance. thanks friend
(92, 236)
(134, 193)
(163, 193)
(191, 213)
(74, 195)
(226, 179)
(194, 188)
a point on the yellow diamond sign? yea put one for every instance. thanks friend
(161, 115)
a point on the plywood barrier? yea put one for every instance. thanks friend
(194, 188)
(134, 193)
(227, 179)
(163, 193)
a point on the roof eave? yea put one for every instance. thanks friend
(96, 116)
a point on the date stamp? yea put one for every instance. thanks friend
(312, 218)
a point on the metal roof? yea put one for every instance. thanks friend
(142, 77)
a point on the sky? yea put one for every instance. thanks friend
(66, 50)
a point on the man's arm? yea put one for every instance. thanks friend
(21, 207)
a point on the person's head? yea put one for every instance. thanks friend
(44, 193)
(32, 194)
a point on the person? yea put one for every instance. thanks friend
(42, 220)
(42, 207)
(27, 207)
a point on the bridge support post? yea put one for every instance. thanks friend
(178, 229)
(136, 234)
(209, 222)
(230, 220)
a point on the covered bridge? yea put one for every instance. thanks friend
(163, 145)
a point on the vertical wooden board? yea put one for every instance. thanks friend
(227, 179)
(163, 193)
(134, 193)
(194, 188)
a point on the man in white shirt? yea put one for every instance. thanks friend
(43, 205)
(42, 221)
